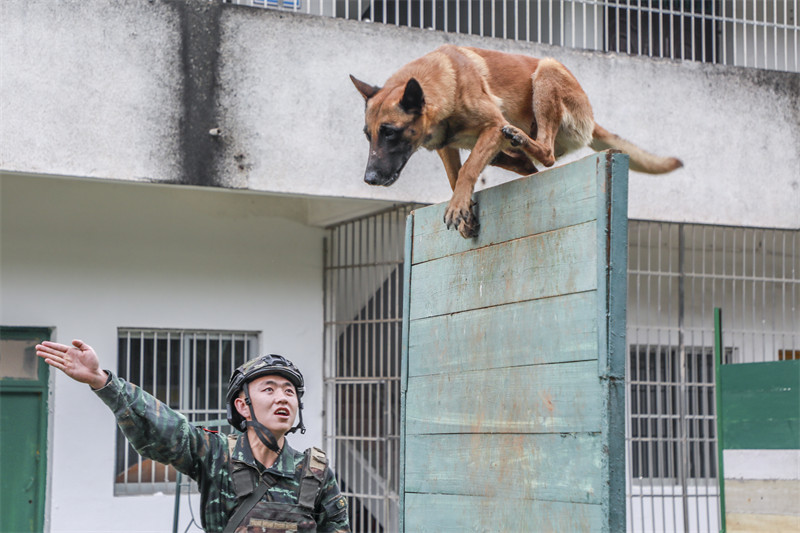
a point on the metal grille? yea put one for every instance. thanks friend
(189, 372)
(677, 275)
(363, 316)
(751, 33)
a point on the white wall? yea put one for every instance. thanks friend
(130, 91)
(87, 257)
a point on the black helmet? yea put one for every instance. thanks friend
(262, 366)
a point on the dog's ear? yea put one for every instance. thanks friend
(413, 98)
(366, 90)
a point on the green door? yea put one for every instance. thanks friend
(23, 429)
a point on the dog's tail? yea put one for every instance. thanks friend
(642, 161)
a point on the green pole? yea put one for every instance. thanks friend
(718, 394)
(177, 512)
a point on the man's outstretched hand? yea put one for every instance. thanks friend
(78, 361)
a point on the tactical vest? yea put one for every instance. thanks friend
(254, 514)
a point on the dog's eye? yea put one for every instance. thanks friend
(389, 132)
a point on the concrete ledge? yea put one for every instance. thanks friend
(759, 523)
(763, 497)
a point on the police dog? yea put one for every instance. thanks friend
(509, 110)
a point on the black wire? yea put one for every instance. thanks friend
(191, 511)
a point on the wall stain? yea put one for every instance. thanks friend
(200, 60)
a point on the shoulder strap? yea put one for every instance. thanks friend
(245, 483)
(313, 474)
(246, 506)
(244, 478)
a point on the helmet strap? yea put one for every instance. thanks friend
(300, 425)
(262, 432)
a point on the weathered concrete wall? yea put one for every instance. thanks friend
(131, 90)
(87, 257)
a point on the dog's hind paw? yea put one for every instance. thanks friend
(514, 136)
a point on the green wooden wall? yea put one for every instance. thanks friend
(514, 358)
(760, 405)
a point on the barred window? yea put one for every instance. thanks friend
(188, 371)
(672, 412)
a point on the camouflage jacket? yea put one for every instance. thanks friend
(164, 435)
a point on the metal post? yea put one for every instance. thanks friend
(177, 512)
(718, 351)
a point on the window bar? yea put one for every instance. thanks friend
(505, 19)
(764, 290)
(140, 380)
(724, 24)
(481, 19)
(660, 28)
(703, 376)
(658, 438)
(684, 387)
(193, 380)
(539, 22)
(784, 294)
(754, 284)
(126, 447)
(220, 385)
(350, 346)
(494, 19)
(796, 13)
(627, 13)
(155, 393)
(672, 378)
(765, 30)
(207, 358)
(714, 32)
(702, 19)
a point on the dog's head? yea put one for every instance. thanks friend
(393, 128)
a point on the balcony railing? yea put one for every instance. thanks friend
(751, 33)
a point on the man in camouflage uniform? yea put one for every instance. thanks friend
(255, 481)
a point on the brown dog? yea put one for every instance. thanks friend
(508, 109)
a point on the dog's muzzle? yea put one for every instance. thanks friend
(376, 178)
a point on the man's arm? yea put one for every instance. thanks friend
(331, 507)
(155, 431)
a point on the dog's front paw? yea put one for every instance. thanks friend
(463, 219)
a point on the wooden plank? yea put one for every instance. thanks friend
(612, 284)
(559, 197)
(761, 406)
(404, 358)
(550, 330)
(551, 467)
(436, 513)
(612, 264)
(526, 399)
(554, 263)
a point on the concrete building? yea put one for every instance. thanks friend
(182, 183)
